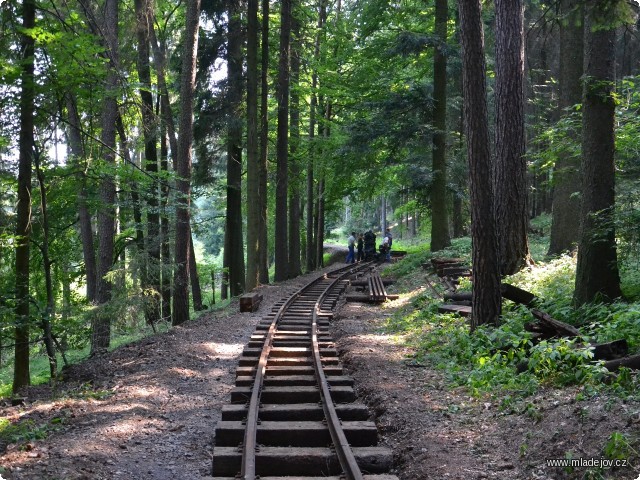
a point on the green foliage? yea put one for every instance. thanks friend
(86, 391)
(619, 447)
(27, 430)
(503, 361)
(563, 362)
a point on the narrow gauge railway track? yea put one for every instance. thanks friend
(293, 414)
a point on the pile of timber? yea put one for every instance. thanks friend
(450, 267)
(449, 271)
(376, 292)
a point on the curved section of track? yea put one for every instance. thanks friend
(293, 413)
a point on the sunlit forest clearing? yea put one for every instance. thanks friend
(160, 160)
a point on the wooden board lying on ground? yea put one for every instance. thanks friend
(377, 292)
(632, 362)
(549, 323)
(518, 295)
(462, 310)
(365, 283)
(610, 350)
(364, 298)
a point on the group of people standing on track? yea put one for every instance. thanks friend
(358, 249)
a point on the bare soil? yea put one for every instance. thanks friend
(157, 402)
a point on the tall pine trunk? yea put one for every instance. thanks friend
(486, 269)
(165, 245)
(510, 168)
(312, 205)
(263, 270)
(253, 154)
(101, 322)
(233, 240)
(185, 142)
(282, 146)
(440, 237)
(295, 268)
(194, 279)
(21, 373)
(597, 276)
(319, 224)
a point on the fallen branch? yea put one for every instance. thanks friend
(632, 362)
(549, 323)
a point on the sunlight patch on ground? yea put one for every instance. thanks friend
(224, 350)
(405, 298)
(184, 372)
(371, 342)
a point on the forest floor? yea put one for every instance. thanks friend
(148, 410)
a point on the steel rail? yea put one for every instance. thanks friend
(345, 455)
(249, 445)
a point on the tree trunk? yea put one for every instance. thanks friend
(194, 279)
(486, 268)
(46, 263)
(253, 155)
(165, 246)
(458, 219)
(320, 225)
(101, 322)
(282, 146)
(310, 246)
(144, 10)
(510, 168)
(311, 201)
(565, 225)
(597, 276)
(440, 238)
(183, 237)
(233, 239)
(263, 246)
(85, 227)
(295, 268)
(383, 214)
(21, 373)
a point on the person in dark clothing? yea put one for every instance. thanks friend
(360, 246)
(369, 245)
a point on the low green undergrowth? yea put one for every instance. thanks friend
(27, 430)
(503, 360)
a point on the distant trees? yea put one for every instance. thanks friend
(150, 133)
(566, 173)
